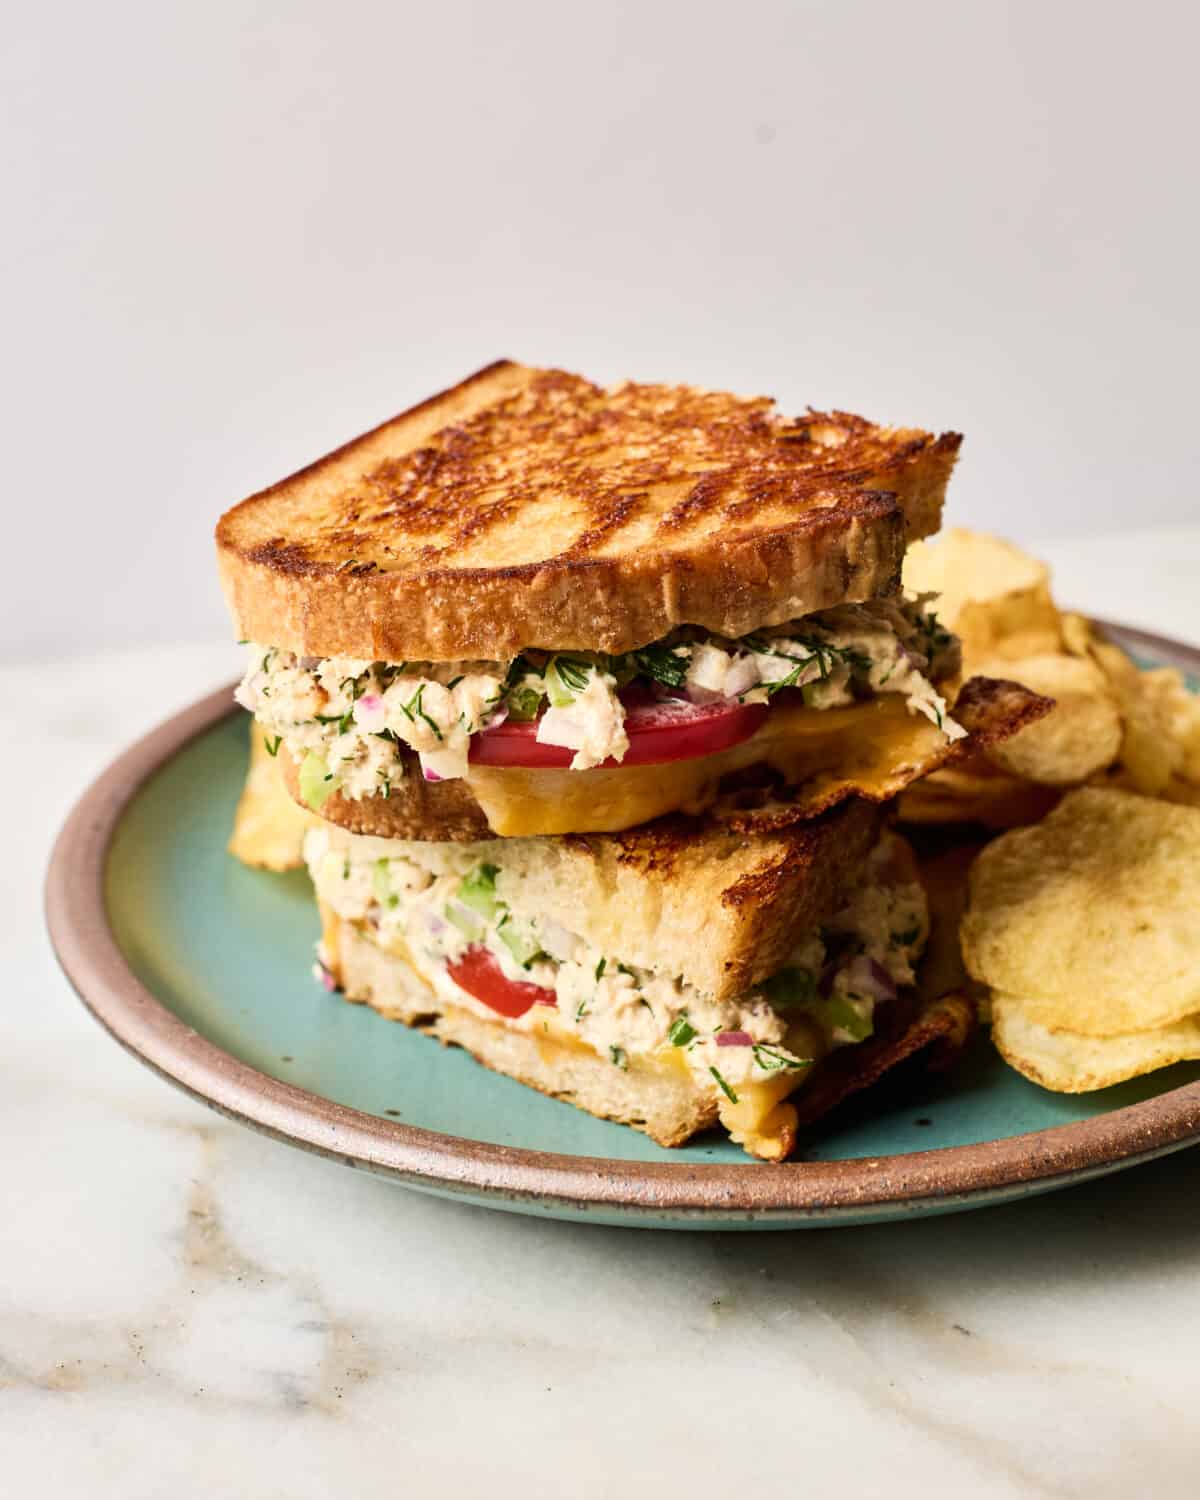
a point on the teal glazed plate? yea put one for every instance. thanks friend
(201, 968)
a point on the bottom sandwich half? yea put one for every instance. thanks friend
(672, 979)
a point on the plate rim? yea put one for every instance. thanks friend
(953, 1176)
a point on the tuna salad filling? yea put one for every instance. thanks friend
(443, 910)
(349, 723)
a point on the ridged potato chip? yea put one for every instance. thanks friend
(976, 792)
(268, 827)
(1149, 750)
(1078, 634)
(1093, 915)
(1070, 1063)
(1178, 711)
(991, 594)
(1185, 793)
(1082, 733)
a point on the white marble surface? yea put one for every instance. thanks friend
(188, 1310)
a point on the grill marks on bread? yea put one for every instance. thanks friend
(532, 508)
(663, 462)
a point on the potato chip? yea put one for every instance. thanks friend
(268, 827)
(1091, 915)
(1082, 733)
(944, 876)
(1149, 751)
(1078, 634)
(1186, 793)
(1071, 1063)
(985, 796)
(1178, 711)
(993, 595)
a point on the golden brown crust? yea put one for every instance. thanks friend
(444, 811)
(727, 904)
(668, 1106)
(531, 508)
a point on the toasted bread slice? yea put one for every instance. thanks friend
(664, 1102)
(531, 508)
(715, 902)
(873, 750)
(667, 1104)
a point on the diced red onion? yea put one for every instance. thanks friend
(495, 718)
(436, 924)
(885, 982)
(369, 713)
(870, 977)
(431, 775)
(466, 917)
(734, 1039)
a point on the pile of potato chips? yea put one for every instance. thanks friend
(1111, 723)
(1082, 927)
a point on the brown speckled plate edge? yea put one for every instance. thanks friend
(829, 1192)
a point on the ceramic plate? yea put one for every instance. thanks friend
(201, 968)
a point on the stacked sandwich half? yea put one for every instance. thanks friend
(600, 698)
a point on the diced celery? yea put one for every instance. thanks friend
(478, 891)
(523, 704)
(522, 947)
(316, 784)
(839, 1014)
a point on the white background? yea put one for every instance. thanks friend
(234, 235)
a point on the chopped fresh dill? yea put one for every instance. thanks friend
(724, 1087)
(571, 673)
(681, 1031)
(415, 709)
(662, 663)
(772, 1061)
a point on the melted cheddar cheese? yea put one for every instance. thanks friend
(871, 749)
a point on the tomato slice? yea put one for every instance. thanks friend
(479, 973)
(659, 730)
